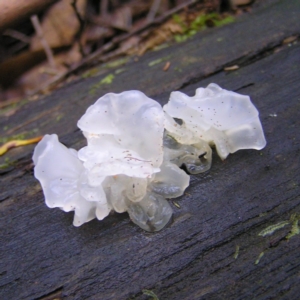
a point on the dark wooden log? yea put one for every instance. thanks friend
(44, 257)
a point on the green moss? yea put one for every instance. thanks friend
(199, 23)
(90, 73)
(177, 19)
(116, 63)
(215, 19)
(20, 136)
(108, 79)
(13, 106)
(4, 140)
(151, 294)
(6, 164)
(272, 228)
(181, 37)
(293, 222)
(176, 204)
(237, 251)
(158, 61)
(58, 118)
(162, 46)
(8, 108)
(259, 258)
(97, 71)
(155, 62)
(119, 71)
(295, 226)
(178, 69)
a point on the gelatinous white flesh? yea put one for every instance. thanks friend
(152, 213)
(62, 177)
(224, 118)
(136, 153)
(124, 133)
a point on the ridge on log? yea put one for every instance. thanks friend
(211, 249)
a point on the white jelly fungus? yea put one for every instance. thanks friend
(137, 155)
(226, 119)
(63, 179)
(124, 133)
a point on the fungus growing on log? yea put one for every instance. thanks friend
(136, 153)
(226, 119)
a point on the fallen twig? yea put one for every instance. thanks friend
(17, 143)
(81, 27)
(36, 24)
(153, 10)
(104, 8)
(17, 35)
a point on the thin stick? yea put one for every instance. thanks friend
(17, 35)
(36, 24)
(128, 16)
(153, 10)
(104, 8)
(17, 143)
(81, 26)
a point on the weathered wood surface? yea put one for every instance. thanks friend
(43, 256)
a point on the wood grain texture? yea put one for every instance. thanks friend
(43, 256)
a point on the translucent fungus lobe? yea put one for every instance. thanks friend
(226, 119)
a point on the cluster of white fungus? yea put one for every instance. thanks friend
(138, 153)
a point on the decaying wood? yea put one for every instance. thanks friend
(212, 248)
